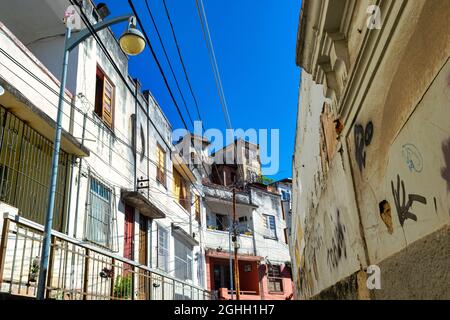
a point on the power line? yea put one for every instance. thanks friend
(181, 60)
(168, 62)
(213, 61)
(99, 41)
(130, 2)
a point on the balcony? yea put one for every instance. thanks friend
(32, 93)
(218, 240)
(79, 271)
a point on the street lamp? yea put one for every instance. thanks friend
(132, 43)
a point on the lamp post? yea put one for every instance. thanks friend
(132, 42)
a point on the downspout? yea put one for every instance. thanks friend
(74, 234)
(135, 121)
(150, 255)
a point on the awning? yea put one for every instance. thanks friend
(226, 255)
(140, 202)
(37, 119)
(183, 235)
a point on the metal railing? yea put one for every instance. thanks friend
(80, 271)
(25, 159)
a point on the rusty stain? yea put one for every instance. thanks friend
(385, 213)
(445, 171)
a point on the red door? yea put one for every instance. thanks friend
(128, 246)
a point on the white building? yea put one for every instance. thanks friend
(126, 201)
(260, 222)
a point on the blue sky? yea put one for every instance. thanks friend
(254, 42)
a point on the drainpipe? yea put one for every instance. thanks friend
(150, 255)
(74, 234)
(135, 122)
(79, 178)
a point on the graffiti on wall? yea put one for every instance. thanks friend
(403, 207)
(338, 249)
(413, 157)
(363, 138)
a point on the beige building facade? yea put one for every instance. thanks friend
(371, 172)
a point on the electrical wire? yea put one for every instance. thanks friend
(168, 62)
(180, 56)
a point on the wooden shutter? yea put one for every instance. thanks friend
(176, 185)
(197, 208)
(161, 163)
(108, 102)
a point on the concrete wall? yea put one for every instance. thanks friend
(275, 250)
(383, 196)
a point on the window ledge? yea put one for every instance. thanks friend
(98, 120)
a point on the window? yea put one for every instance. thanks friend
(269, 224)
(221, 222)
(197, 209)
(160, 165)
(99, 221)
(243, 225)
(104, 98)
(163, 248)
(183, 261)
(285, 195)
(181, 191)
(275, 279)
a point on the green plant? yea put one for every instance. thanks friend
(265, 180)
(122, 287)
(34, 270)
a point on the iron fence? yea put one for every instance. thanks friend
(80, 271)
(25, 165)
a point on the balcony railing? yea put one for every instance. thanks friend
(219, 239)
(79, 271)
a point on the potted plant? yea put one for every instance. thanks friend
(34, 270)
(122, 287)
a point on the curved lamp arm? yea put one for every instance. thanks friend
(72, 42)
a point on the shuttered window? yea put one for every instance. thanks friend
(181, 191)
(104, 98)
(197, 209)
(160, 165)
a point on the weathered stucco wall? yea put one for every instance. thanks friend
(391, 184)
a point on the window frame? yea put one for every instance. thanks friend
(183, 256)
(93, 220)
(183, 196)
(274, 279)
(161, 175)
(267, 225)
(106, 117)
(197, 209)
(162, 263)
